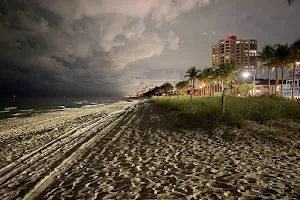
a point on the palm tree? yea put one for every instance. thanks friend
(275, 66)
(294, 56)
(209, 75)
(265, 57)
(192, 73)
(282, 55)
(226, 72)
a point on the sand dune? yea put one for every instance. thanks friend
(127, 150)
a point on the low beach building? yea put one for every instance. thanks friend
(288, 84)
(262, 87)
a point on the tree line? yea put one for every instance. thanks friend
(216, 79)
(280, 57)
(272, 57)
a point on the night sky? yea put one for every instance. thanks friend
(113, 47)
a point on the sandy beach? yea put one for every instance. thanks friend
(136, 150)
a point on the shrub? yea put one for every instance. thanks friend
(270, 97)
(237, 109)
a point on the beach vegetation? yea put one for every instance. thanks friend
(182, 87)
(238, 109)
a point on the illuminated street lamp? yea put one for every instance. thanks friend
(246, 75)
(203, 90)
(200, 90)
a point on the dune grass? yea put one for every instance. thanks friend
(237, 109)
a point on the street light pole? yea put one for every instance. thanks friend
(200, 90)
(247, 74)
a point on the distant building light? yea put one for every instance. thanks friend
(229, 36)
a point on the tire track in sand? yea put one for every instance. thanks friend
(82, 174)
(25, 165)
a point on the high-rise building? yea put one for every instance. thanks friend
(242, 52)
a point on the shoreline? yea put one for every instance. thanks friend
(20, 108)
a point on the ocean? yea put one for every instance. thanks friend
(22, 107)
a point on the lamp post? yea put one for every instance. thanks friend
(200, 90)
(246, 75)
(203, 86)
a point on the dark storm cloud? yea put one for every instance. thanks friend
(106, 47)
(75, 47)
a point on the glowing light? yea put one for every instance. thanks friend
(203, 84)
(229, 36)
(246, 74)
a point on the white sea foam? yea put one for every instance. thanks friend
(10, 108)
(28, 110)
(92, 105)
(4, 111)
(17, 114)
(82, 102)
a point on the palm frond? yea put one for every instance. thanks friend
(291, 1)
(296, 45)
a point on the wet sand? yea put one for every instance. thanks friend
(136, 150)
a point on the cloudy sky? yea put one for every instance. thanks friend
(113, 47)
